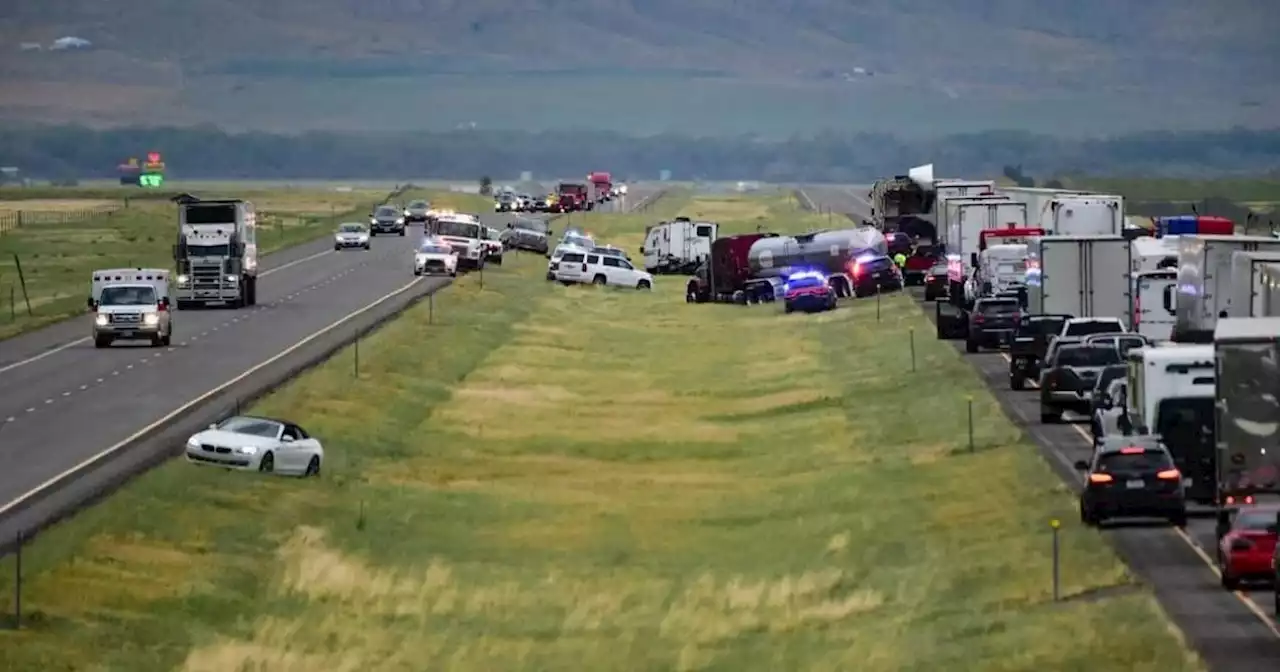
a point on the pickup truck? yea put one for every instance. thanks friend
(1069, 377)
(1028, 346)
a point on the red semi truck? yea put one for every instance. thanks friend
(573, 197)
(726, 272)
(603, 184)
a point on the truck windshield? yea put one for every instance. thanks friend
(385, 213)
(223, 250)
(457, 229)
(128, 296)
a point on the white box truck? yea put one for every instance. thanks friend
(966, 219)
(1084, 276)
(1204, 281)
(1247, 298)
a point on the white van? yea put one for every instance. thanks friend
(129, 304)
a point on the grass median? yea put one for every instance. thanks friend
(545, 477)
(58, 256)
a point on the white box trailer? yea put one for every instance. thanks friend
(1247, 298)
(1092, 215)
(1084, 276)
(1037, 200)
(1204, 281)
(1269, 285)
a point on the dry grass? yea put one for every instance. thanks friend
(561, 478)
(56, 204)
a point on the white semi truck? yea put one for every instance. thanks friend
(216, 254)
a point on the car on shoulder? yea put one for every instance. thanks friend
(1247, 548)
(1132, 477)
(351, 235)
(251, 443)
(808, 292)
(579, 266)
(556, 255)
(493, 246)
(435, 257)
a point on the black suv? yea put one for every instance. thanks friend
(991, 322)
(935, 281)
(1028, 346)
(1132, 477)
(1068, 378)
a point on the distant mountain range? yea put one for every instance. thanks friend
(647, 66)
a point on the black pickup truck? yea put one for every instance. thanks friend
(1029, 341)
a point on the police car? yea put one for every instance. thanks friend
(808, 291)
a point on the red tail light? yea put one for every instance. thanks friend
(163, 306)
(1100, 478)
(584, 268)
(1169, 475)
(979, 319)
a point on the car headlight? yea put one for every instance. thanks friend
(400, 220)
(102, 320)
(246, 450)
(233, 278)
(364, 238)
(182, 279)
(406, 213)
(151, 319)
(193, 442)
(373, 222)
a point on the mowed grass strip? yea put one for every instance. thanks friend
(553, 477)
(57, 258)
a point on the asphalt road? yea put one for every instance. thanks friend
(1232, 631)
(62, 401)
(848, 199)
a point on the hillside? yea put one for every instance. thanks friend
(1079, 66)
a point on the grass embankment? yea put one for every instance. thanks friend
(57, 258)
(553, 477)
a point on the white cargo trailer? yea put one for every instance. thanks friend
(1269, 279)
(1204, 281)
(1085, 276)
(1092, 215)
(1246, 282)
(1037, 200)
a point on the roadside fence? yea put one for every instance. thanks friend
(20, 218)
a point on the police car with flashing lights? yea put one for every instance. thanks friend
(808, 291)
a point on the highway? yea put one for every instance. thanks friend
(63, 402)
(1232, 631)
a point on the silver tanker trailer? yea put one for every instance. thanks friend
(855, 261)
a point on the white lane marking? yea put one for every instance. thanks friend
(89, 461)
(86, 339)
(1243, 598)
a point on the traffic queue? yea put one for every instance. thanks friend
(1163, 339)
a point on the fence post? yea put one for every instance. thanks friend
(23, 280)
(17, 582)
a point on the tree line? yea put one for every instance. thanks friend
(69, 152)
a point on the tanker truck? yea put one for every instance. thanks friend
(753, 268)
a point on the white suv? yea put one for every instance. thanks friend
(600, 269)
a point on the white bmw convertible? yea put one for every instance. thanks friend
(248, 443)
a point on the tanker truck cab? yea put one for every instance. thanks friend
(1170, 392)
(131, 304)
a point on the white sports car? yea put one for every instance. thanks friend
(435, 258)
(248, 443)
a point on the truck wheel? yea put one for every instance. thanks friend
(167, 338)
(599, 280)
(401, 232)
(101, 341)
(970, 346)
(1050, 416)
(1017, 383)
(498, 261)
(253, 291)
